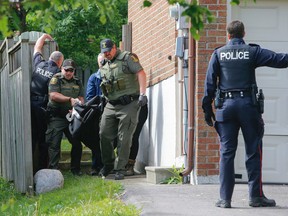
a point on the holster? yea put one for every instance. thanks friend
(218, 101)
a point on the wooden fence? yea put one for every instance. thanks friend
(16, 162)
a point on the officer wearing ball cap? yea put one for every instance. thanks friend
(124, 87)
(65, 90)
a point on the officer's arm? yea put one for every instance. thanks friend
(58, 97)
(40, 42)
(142, 81)
(265, 57)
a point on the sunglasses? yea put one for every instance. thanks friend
(69, 70)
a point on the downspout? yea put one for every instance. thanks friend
(191, 106)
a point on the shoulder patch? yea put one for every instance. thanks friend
(134, 57)
(53, 81)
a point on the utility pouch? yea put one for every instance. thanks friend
(218, 102)
(103, 89)
(125, 99)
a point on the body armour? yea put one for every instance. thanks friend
(117, 80)
(70, 88)
(41, 77)
(237, 67)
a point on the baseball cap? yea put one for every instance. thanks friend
(106, 45)
(68, 64)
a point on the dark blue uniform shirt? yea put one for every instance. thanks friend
(42, 73)
(233, 67)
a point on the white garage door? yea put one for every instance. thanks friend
(266, 24)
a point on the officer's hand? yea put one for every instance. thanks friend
(142, 101)
(208, 118)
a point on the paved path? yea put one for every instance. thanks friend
(198, 200)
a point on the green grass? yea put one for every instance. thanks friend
(65, 145)
(85, 195)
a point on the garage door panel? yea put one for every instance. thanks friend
(274, 156)
(262, 18)
(266, 24)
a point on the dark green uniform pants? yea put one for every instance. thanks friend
(118, 121)
(56, 127)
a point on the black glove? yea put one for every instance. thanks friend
(142, 101)
(208, 118)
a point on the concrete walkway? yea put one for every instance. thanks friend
(198, 200)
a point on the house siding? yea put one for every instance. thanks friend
(153, 40)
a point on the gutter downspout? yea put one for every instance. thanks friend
(191, 107)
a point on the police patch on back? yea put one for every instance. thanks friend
(234, 54)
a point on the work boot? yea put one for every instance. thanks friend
(261, 202)
(106, 170)
(129, 168)
(119, 175)
(223, 203)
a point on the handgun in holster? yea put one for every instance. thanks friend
(218, 101)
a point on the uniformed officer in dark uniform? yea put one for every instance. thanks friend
(231, 72)
(65, 90)
(42, 73)
(124, 86)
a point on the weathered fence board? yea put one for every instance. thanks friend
(16, 163)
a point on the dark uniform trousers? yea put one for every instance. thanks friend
(118, 121)
(39, 126)
(237, 113)
(56, 127)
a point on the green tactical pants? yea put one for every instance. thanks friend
(56, 127)
(118, 121)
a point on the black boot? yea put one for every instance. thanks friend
(223, 203)
(261, 202)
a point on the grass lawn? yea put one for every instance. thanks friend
(80, 196)
(85, 195)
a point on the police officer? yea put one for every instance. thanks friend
(42, 73)
(231, 70)
(65, 90)
(124, 86)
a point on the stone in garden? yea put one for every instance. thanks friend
(47, 180)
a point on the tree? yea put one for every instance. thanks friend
(14, 14)
(44, 12)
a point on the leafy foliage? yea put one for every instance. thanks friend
(42, 13)
(176, 178)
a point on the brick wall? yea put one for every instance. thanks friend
(154, 41)
(214, 35)
(153, 38)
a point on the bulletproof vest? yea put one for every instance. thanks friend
(237, 67)
(41, 77)
(117, 80)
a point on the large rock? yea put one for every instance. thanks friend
(47, 180)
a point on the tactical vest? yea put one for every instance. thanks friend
(41, 77)
(237, 67)
(117, 80)
(69, 88)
